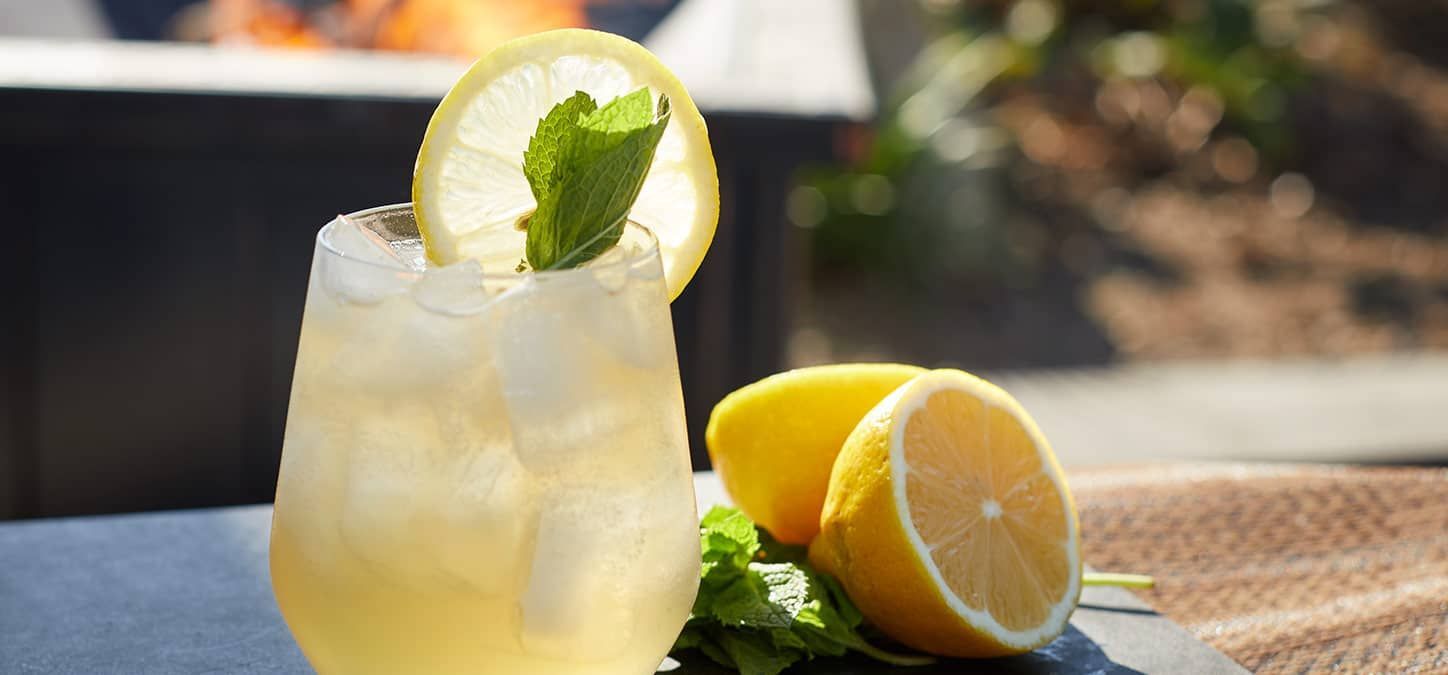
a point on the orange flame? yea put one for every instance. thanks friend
(263, 22)
(459, 27)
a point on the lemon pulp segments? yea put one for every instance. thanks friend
(988, 510)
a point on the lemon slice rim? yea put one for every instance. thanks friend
(910, 399)
(543, 48)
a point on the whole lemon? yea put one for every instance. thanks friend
(774, 442)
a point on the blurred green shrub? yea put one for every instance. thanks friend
(934, 190)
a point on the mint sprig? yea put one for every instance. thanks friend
(761, 607)
(585, 165)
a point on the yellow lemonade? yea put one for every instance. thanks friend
(483, 472)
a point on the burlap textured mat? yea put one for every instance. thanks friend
(1285, 568)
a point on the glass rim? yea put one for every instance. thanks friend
(651, 249)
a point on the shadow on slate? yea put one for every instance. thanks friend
(1069, 654)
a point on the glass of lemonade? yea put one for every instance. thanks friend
(483, 473)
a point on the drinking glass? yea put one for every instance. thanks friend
(484, 471)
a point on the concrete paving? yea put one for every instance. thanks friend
(1371, 409)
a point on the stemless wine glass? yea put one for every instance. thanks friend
(484, 471)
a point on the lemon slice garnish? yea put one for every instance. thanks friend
(469, 191)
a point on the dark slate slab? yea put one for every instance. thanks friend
(187, 593)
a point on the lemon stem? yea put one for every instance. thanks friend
(891, 657)
(1118, 580)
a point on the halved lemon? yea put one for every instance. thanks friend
(468, 189)
(949, 522)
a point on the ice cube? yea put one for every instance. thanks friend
(610, 270)
(628, 313)
(455, 290)
(401, 350)
(488, 518)
(548, 370)
(576, 438)
(572, 360)
(388, 519)
(410, 252)
(533, 354)
(355, 240)
(632, 322)
(584, 576)
(368, 269)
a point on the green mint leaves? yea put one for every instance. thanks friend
(586, 165)
(540, 160)
(762, 608)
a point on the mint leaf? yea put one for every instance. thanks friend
(540, 160)
(585, 166)
(704, 636)
(754, 656)
(788, 589)
(714, 650)
(761, 607)
(767, 595)
(690, 638)
(733, 525)
(609, 126)
(846, 607)
(729, 541)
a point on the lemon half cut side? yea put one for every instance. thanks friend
(949, 522)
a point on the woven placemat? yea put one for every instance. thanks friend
(1285, 568)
